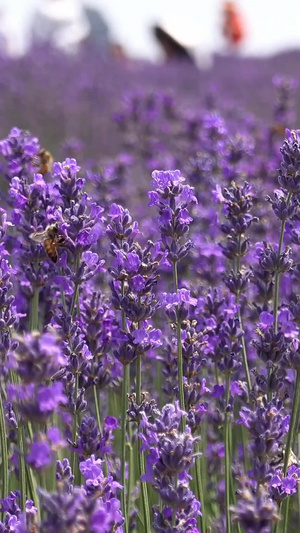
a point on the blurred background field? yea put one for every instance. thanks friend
(62, 94)
(61, 98)
(78, 76)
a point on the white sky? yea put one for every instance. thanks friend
(272, 25)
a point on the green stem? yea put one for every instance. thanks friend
(237, 269)
(63, 299)
(141, 455)
(139, 379)
(62, 293)
(29, 475)
(114, 402)
(244, 439)
(199, 489)
(277, 273)
(22, 467)
(34, 310)
(244, 351)
(292, 426)
(123, 444)
(131, 472)
(43, 480)
(75, 298)
(298, 492)
(290, 437)
(269, 393)
(180, 375)
(4, 453)
(174, 508)
(75, 458)
(33, 489)
(239, 528)
(203, 463)
(57, 423)
(179, 355)
(146, 507)
(174, 516)
(125, 387)
(217, 374)
(227, 456)
(98, 416)
(75, 468)
(286, 515)
(158, 383)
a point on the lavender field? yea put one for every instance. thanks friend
(149, 295)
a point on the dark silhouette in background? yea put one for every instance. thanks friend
(69, 25)
(173, 49)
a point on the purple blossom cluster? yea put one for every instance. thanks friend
(149, 304)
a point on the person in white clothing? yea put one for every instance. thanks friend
(61, 23)
(10, 44)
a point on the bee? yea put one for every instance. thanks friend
(278, 461)
(51, 240)
(44, 162)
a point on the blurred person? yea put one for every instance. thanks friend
(9, 36)
(99, 31)
(173, 49)
(183, 43)
(117, 52)
(233, 26)
(3, 35)
(62, 24)
(99, 36)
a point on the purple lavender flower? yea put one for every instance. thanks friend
(281, 487)
(65, 512)
(289, 167)
(37, 402)
(172, 199)
(64, 476)
(15, 521)
(107, 506)
(19, 149)
(171, 455)
(37, 357)
(267, 424)
(42, 449)
(257, 513)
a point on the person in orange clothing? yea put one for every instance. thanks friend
(233, 26)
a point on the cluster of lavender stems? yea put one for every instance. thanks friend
(150, 365)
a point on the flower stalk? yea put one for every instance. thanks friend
(179, 353)
(74, 435)
(278, 273)
(125, 385)
(289, 443)
(227, 456)
(199, 487)
(22, 466)
(125, 388)
(141, 453)
(4, 454)
(34, 309)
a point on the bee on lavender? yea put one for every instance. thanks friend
(43, 162)
(51, 240)
(278, 460)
